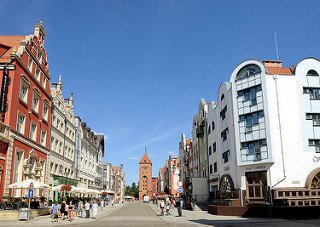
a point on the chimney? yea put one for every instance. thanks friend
(273, 63)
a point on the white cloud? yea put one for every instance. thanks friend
(134, 158)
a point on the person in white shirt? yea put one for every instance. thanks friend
(95, 209)
(87, 207)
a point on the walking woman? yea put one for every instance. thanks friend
(63, 209)
(71, 210)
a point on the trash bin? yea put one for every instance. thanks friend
(23, 214)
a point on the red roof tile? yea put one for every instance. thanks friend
(277, 70)
(12, 42)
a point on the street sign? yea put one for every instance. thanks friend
(31, 186)
(30, 194)
(180, 189)
(179, 183)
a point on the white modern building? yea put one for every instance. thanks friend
(63, 140)
(272, 122)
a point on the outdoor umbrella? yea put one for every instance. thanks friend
(26, 184)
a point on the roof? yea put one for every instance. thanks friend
(145, 158)
(277, 70)
(7, 44)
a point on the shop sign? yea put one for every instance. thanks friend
(256, 167)
(3, 94)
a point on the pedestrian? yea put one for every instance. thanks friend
(71, 210)
(101, 204)
(94, 209)
(112, 203)
(162, 207)
(55, 210)
(116, 204)
(167, 208)
(81, 209)
(87, 208)
(66, 213)
(63, 209)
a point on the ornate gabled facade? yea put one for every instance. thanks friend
(25, 131)
(145, 177)
(90, 150)
(61, 168)
(119, 180)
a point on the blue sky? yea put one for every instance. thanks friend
(139, 68)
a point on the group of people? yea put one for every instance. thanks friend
(70, 211)
(169, 205)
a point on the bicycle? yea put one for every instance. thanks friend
(6, 206)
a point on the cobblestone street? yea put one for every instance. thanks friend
(144, 214)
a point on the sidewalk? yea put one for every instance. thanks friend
(204, 218)
(46, 220)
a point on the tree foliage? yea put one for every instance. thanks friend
(133, 190)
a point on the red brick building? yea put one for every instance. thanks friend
(25, 128)
(145, 177)
(154, 185)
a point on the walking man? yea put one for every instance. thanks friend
(162, 207)
(55, 210)
(87, 208)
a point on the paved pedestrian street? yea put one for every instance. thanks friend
(147, 214)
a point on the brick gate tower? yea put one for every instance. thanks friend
(145, 177)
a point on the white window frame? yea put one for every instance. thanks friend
(37, 73)
(34, 136)
(25, 84)
(45, 106)
(30, 64)
(43, 139)
(36, 96)
(22, 126)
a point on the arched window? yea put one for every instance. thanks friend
(222, 97)
(226, 184)
(312, 73)
(248, 70)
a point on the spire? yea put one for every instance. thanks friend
(59, 85)
(71, 100)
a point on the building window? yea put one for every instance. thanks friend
(45, 110)
(39, 55)
(215, 167)
(253, 149)
(257, 185)
(312, 73)
(44, 83)
(315, 117)
(21, 123)
(214, 147)
(30, 63)
(209, 129)
(315, 143)
(35, 101)
(224, 134)
(250, 94)
(33, 131)
(24, 87)
(248, 70)
(43, 137)
(223, 113)
(314, 93)
(225, 156)
(251, 119)
(210, 151)
(213, 126)
(38, 73)
(210, 168)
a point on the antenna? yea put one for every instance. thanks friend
(275, 39)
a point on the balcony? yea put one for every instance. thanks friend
(200, 131)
